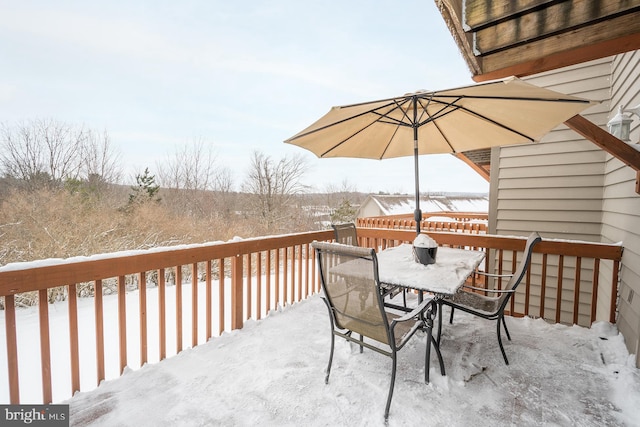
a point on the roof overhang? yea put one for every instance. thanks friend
(501, 38)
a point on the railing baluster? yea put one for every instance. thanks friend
(292, 265)
(285, 276)
(500, 264)
(576, 292)
(209, 296)
(514, 262)
(259, 285)
(307, 284)
(122, 322)
(236, 292)
(543, 285)
(142, 300)
(73, 339)
(12, 348)
(594, 293)
(162, 314)
(221, 304)
(559, 290)
(527, 291)
(45, 345)
(194, 304)
(178, 308)
(99, 315)
(268, 289)
(249, 305)
(614, 291)
(299, 256)
(277, 277)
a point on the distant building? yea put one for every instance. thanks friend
(385, 205)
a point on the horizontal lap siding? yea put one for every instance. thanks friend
(555, 187)
(621, 205)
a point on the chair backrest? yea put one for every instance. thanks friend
(345, 233)
(349, 279)
(518, 275)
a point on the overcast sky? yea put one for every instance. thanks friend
(240, 75)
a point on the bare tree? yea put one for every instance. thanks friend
(273, 186)
(192, 167)
(101, 160)
(45, 151)
(203, 185)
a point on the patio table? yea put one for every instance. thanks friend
(396, 266)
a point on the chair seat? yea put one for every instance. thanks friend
(474, 300)
(372, 328)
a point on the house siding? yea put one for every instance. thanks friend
(621, 204)
(566, 187)
(555, 187)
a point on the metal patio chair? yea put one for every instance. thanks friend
(349, 279)
(491, 308)
(346, 233)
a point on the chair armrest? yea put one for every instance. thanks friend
(415, 312)
(482, 273)
(497, 291)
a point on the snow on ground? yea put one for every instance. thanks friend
(272, 373)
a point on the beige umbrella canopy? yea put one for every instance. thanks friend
(486, 115)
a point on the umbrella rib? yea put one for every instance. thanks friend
(339, 122)
(346, 139)
(393, 121)
(454, 107)
(393, 102)
(510, 98)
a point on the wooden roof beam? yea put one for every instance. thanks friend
(612, 145)
(476, 167)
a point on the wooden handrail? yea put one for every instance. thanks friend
(255, 276)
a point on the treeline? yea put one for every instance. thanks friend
(61, 196)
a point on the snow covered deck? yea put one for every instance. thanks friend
(271, 373)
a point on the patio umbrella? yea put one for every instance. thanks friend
(503, 112)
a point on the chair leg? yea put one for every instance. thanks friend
(451, 317)
(440, 361)
(361, 340)
(333, 340)
(505, 328)
(393, 381)
(427, 355)
(439, 308)
(432, 341)
(504, 355)
(427, 363)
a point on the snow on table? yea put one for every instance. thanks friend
(396, 266)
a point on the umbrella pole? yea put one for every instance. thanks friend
(417, 214)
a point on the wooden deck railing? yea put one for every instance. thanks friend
(562, 284)
(280, 270)
(459, 222)
(244, 279)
